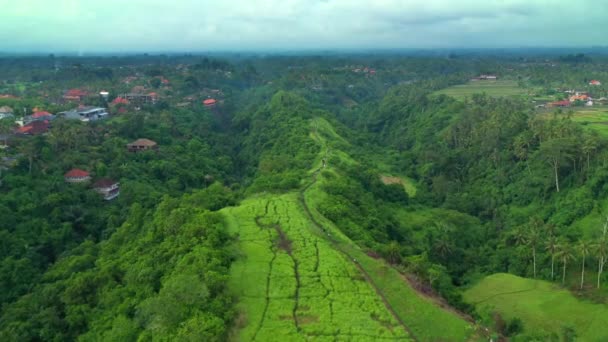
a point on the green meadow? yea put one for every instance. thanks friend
(544, 307)
(492, 88)
(593, 118)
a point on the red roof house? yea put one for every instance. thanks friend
(41, 114)
(120, 100)
(34, 128)
(582, 97)
(77, 176)
(75, 95)
(595, 83)
(564, 103)
(210, 102)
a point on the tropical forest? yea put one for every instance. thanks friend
(399, 195)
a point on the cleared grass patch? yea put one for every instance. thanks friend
(408, 184)
(492, 88)
(543, 307)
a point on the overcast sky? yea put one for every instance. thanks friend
(201, 25)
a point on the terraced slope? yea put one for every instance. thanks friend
(300, 278)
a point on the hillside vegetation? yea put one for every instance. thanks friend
(546, 309)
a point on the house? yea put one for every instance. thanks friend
(108, 188)
(595, 83)
(140, 98)
(77, 176)
(34, 128)
(104, 94)
(75, 95)
(119, 101)
(6, 112)
(564, 103)
(142, 145)
(86, 113)
(581, 97)
(209, 102)
(39, 116)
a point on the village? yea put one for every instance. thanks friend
(132, 94)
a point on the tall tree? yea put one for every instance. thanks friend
(532, 241)
(551, 247)
(556, 152)
(584, 248)
(601, 250)
(590, 145)
(564, 253)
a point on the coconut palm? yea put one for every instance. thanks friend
(551, 247)
(601, 250)
(584, 248)
(564, 253)
(532, 241)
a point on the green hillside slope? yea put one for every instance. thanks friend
(298, 277)
(544, 308)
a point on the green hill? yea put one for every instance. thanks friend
(299, 277)
(544, 308)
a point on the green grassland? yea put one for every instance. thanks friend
(298, 277)
(593, 118)
(492, 88)
(544, 308)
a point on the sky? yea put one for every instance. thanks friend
(86, 26)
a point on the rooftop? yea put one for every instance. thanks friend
(76, 173)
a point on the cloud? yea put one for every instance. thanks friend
(194, 25)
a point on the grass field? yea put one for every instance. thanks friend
(299, 278)
(543, 307)
(593, 118)
(492, 88)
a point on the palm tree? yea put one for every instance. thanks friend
(601, 250)
(393, 252)
(443, 245)
(584, 248)
(565, 254)
(551, 247)
(532, 241)
(590, 144)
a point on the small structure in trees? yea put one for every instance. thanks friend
(108, 188)
(75, 95)
(34, 128)
(6, 112)
(77, 176)
(86, 113)
(142, 145)
(210, 102)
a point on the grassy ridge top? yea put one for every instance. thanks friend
(544, 307)
(300, 277)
